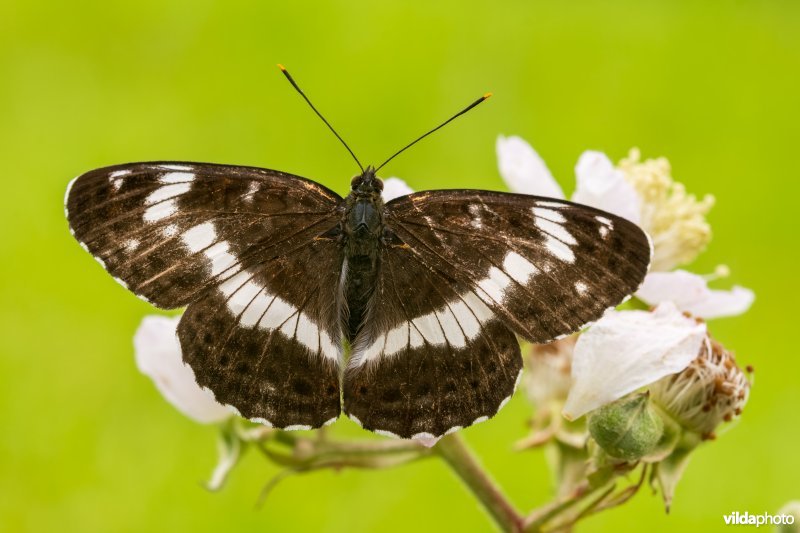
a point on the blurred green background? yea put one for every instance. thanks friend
(89, 445)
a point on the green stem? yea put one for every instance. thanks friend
(464, 464)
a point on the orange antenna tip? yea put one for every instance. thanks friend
(283, 69)
(487, 95)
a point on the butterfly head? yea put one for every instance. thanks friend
(366, 184)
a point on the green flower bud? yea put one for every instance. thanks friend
(628, 428)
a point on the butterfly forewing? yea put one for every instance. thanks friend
(169, 230)
(547, 267)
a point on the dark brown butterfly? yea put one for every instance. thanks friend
(428, 291)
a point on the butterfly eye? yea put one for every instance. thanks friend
(355, 182)
(378, 185)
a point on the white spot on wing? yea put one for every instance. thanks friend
(297, 427)
(160, 211)
(248, 300)
(550, 204)
(66, 195)
(277, 314)
(385, 433)
(166, 192)
(479, 420)
(397, 339)
(263, 421)
(415, 340)
(327, 347)
(466, 319)
(476, 221)
(559, 249)
(503, 403)
(252, 189)
(307, 333)
(556, 230)
(177, 177)
(116, 178)
(456, 323)
(519, 268)
(548, 214)
(176, 167)
(289, 328)
(199, 237)
(494, 286)
(452, 331)
(374, 350)
(581, 288)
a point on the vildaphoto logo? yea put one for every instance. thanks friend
(746, 519)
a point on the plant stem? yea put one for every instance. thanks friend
(462, 461)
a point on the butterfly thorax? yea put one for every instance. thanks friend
(362, 229)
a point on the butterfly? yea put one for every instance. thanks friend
(281, 276)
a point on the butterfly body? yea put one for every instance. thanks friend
(431, 289)
(362, 236)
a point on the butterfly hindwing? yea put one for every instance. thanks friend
(431, 357)
(168, 230)
(547, 267)
(267, 340)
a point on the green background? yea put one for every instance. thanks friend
(87, 444)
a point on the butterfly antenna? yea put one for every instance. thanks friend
(442, 125)
(299, 90)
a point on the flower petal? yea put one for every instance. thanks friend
(603, 186)
(690, 293)
(626, 350)
(393, 188)
(523, 170)
(158, 355)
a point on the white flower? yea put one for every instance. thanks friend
(393, 188)
(158, 355)
(641, 191)
(626, 350)
(548, 379)
(601, 185)
(523, 170)
(690, 293)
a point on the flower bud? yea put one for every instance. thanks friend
(628, 428)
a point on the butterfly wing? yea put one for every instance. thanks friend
(267, 340)
(431, 357)
(461, 272)
(167, 231)
(548, 267)
(249, 251)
